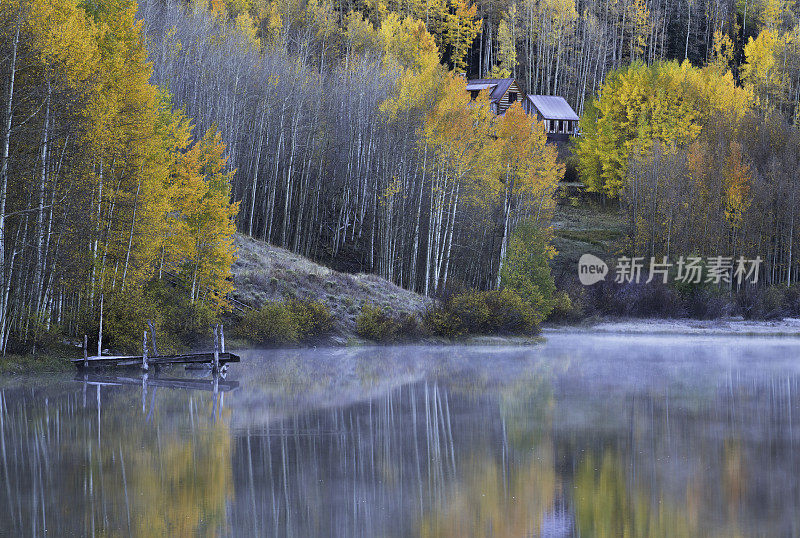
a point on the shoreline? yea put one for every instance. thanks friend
(734, 327)
(788, 327)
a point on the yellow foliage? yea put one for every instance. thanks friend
(506, 38)
(736, 180)
(461, 28)
(408, 42)
(246, 25)
(667, 102)
(528, 166)
(765, 71)
(200, 246)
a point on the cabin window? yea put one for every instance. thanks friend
(473, 94)
(512, 96)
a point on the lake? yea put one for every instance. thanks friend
(584, 435)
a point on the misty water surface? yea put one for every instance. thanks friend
(581, 436)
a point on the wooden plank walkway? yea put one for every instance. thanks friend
(131, 361)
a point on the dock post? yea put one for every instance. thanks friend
(85, 351)
(216, 349)
(145, 366)
(221, 339)
(100, 330)
(153, 337)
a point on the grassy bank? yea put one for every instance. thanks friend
(580, 228)
(282, 298)
(54, 359)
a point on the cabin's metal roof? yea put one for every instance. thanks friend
(553, 107)
(479, 87)
(501, 86)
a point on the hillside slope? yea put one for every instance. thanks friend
(264, 273)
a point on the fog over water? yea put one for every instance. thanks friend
(583, 435)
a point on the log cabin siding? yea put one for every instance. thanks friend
(504, 102)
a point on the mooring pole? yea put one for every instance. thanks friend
(216, 349)
(85, 351)
(145, 367)
(153, 337)
(100, 330)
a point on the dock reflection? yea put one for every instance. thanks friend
(209, 382)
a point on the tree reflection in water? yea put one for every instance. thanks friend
(86, 466)
(579, 437)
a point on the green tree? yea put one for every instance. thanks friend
(527, 269)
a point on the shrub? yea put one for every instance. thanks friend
(410, 326)
(312, 317)
(773, 302)
(566, 307)
(37, 338)
(650, 299)
(442, 322)
(471, 311)
(285, 322)
(526, 269)
(179, 322)
(273, 323)
(482, 312)
(509, 313)
(376, 325)
(708, 303)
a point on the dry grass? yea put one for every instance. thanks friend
(584, 229)
(267, 273)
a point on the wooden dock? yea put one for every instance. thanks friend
(136, 361)
(216, 359)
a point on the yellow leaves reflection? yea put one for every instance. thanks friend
(608, 504)
(494, 503)
(181, 488)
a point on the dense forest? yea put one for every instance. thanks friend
(137, 137)
(704, 84)
(106, 189)
(353, 144)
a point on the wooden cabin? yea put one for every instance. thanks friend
(503, 92)
(560, 121)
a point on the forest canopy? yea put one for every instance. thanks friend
(701, 164)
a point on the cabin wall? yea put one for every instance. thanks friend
(505, 101)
